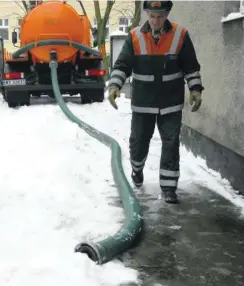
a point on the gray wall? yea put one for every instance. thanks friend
(220, 51)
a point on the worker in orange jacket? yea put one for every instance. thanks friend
(161, 57)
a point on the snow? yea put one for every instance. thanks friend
(232, 16)
(57, 190)
(118, 33)
(54, 195)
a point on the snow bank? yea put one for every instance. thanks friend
(118, 33)
(56, 190)
(232, 16)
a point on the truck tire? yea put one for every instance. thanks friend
(4, 94)
(36, 94)
(51, 94)
(89, 96)
(15, 99)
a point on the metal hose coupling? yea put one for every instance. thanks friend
(53, 59)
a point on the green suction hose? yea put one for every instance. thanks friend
(107, 249)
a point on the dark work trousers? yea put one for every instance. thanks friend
(142, 130)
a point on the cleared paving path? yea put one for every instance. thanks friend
(198, 242)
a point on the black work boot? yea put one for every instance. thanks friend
(137, 178)
(170, 195)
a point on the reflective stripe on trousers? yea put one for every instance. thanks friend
(138, 166)
(168, 183)
(170, 178)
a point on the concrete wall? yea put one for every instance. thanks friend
(220, 51)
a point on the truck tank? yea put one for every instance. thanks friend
(54, 20)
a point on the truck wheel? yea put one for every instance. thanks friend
(4, 95)
(85, 99)
(36, 94)
(51, 94)
(15, 99)
(90, 96)
(99, 97)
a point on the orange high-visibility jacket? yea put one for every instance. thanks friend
(159, 68)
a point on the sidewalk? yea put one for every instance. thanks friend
(198, 242)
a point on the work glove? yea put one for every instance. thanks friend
(114, 92)
(195, 97)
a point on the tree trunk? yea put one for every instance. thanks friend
(25, 5)
(101, 24)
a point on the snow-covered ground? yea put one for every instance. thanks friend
(57, 190)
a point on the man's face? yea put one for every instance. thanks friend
(157, 19)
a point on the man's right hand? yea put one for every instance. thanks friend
(114, 92)
(196, 98)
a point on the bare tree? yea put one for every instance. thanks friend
(25, 5)
(29, 5)
(137, 15)
(132, 12)
(102, 22)
(101, 29)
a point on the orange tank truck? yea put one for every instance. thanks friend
(80, 70)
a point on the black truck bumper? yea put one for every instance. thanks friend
(64, 88)
(17, 95)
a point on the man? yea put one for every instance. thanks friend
(160, 55)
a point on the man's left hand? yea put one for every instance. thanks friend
(196, 98)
